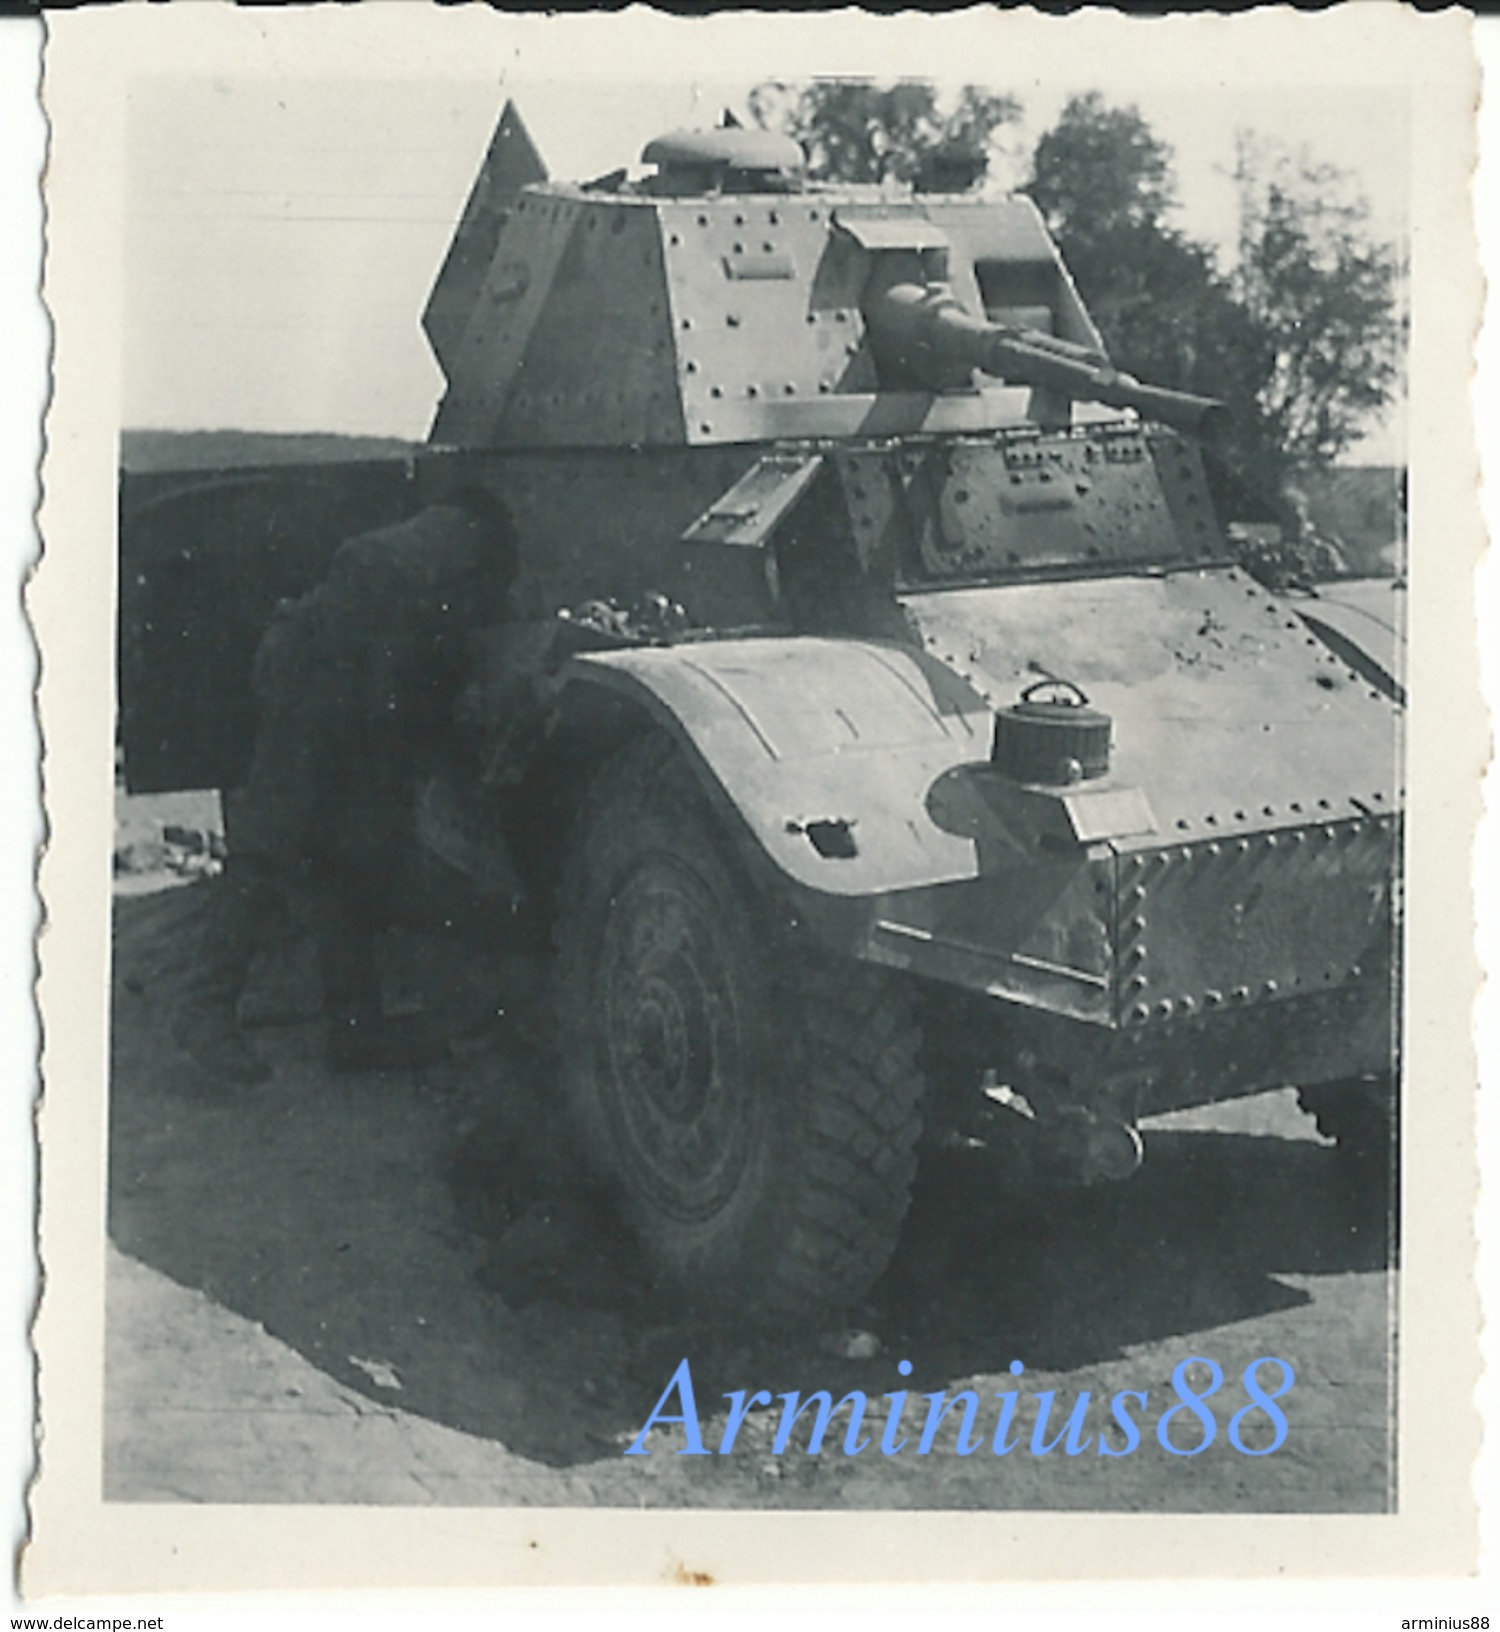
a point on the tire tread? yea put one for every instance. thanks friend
(847, 1029)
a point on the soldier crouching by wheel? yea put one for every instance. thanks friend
(356, 684)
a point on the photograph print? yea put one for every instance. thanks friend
(758, 829)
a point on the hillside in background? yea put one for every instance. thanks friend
(143, 451)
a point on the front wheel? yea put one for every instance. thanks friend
(754, 1106)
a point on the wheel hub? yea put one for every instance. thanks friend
(673, 1044)
(669, 1048)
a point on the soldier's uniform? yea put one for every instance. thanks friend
(355, 685)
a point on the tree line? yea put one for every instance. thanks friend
(1300, 334)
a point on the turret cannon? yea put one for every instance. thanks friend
(923, 333)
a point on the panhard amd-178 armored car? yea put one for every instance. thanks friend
(878, 718)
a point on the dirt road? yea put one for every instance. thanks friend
(302, 1307)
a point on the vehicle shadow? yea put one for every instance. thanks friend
(348, 1217)
(1198, 1238)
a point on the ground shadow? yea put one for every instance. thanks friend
(340, 1214)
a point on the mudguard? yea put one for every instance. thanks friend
(862, 771)
(827, 748)
(1364, 622)
(1249, 817)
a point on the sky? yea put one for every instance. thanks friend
(282, 232)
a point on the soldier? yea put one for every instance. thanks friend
(356, 684)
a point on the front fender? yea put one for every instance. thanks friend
(826, 748)
(861, 769)
(1363, 621)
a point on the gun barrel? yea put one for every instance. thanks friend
(928, 334)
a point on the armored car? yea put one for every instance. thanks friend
(879, 721)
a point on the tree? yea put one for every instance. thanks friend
(1100, 171)
(1299, 339)
(856, 131)
(1322, 294)
(1105, 185)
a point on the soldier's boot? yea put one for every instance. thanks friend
(361, 1037)
(206, 1022)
